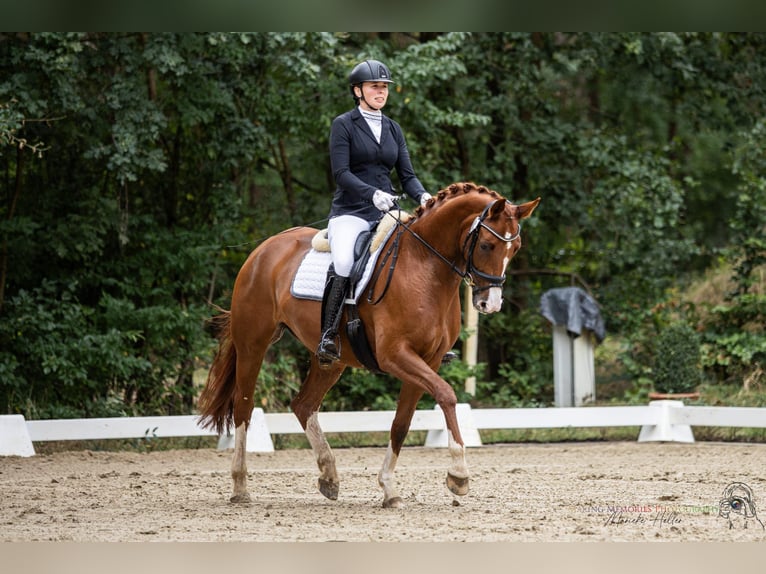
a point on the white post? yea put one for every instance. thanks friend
(471, 345)
(574, 378)
(258, 437)
(14, 436)
(563, 385)
(583, 369)
(471, 436)
(665, 430)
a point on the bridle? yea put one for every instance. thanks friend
(471, 239)
(470, 244)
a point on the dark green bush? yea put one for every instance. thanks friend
(677, 359)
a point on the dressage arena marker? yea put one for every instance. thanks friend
(667, 429)
(14, 437)
(439, 437)
(660, 421)
(257, 434)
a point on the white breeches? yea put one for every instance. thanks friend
(342, 232)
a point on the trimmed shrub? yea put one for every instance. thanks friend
(677, 360)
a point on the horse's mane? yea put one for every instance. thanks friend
(454, 190)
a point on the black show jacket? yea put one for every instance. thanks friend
(361, 165)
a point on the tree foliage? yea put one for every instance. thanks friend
(138, 169)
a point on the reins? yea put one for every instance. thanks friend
(392, 250)
(470, 270)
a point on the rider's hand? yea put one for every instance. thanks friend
(424, 198)
(382, 200)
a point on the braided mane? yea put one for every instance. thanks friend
(454, 190)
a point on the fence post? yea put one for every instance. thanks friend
(665, 430)
(14, 436)
(471, 344)
(574, 379)
(258, 437)
(471, 437)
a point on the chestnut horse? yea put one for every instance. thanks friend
(466, 232)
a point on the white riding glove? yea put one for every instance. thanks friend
(424, 198)
(382, 200)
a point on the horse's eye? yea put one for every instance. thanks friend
(486, 246)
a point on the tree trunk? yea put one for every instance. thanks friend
(20, 154)
(287, 179)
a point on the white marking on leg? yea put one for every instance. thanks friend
(239, 463)
(459, 468)
(322, 451)
(386, 475)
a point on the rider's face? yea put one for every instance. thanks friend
(375, 95)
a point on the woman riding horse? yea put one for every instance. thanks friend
(411, 319)
(365, 146)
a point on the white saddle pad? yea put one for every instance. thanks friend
(309, 280)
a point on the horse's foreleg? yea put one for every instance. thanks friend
(408, 400)
(391, 498)
(305, 405)
(457, 474)
(422, 375)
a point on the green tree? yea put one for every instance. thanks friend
(137, 170)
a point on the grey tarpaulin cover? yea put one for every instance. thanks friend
(574, 308)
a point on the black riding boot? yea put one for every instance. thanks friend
(332, 303)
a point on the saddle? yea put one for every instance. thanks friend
(367, 244)
(362, 254)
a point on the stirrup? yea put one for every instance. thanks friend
(327, 352)
(448, 357)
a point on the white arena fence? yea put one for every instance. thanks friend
(664, 421)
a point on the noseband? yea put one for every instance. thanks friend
(471, 239)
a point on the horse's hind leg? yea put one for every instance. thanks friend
(305, 405)
(248, 367)
(239, 465)
(408, 401)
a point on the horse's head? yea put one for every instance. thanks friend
(493, 238)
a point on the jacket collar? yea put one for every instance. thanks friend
(359, 120)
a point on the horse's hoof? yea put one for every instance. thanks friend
(394, 502)
(457, 485)
(240, 498)
(328, 488)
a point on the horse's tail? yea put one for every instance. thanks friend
(216, 402)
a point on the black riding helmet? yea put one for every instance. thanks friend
(369, 71)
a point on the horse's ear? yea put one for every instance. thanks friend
(525, 209)
(496, 209)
